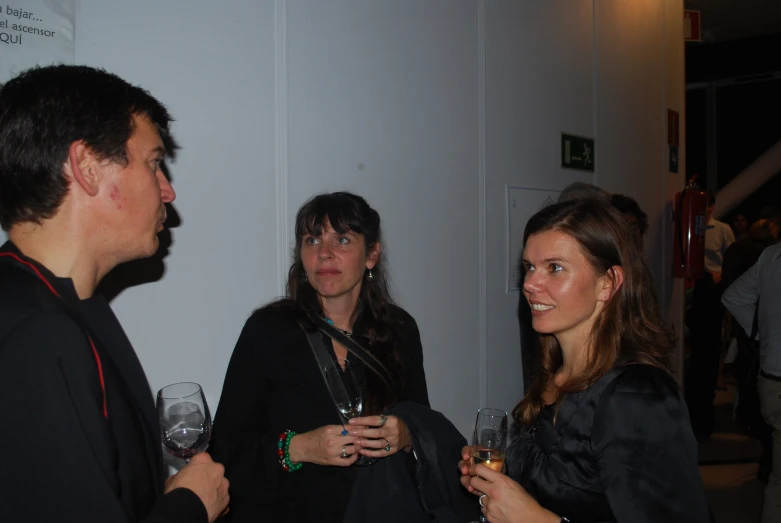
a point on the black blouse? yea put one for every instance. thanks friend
(622, 450)
(273, 384)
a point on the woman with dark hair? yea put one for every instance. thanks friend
(285, 448)
(603, 433)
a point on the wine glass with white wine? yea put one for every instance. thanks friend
(490, 441)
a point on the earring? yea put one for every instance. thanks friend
(304, 279)
(371, 276)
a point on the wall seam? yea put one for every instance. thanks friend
(482, 265)
(282, 175)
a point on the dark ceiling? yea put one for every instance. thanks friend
(724, 20)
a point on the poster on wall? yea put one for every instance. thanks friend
(521, 203)
(35, 32)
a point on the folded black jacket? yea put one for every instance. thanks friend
(419, 487)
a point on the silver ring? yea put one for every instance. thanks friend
(344, 452)
(388, 446)
(383, 420)
(480, 499)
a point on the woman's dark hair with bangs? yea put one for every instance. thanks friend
(348, 212)
(629, 330)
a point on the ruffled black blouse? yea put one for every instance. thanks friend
(622, 450)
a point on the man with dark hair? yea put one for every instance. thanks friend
(81, 191)
(633, 214)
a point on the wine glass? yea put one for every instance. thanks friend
(185, 422)
(490, 441)
(346, 393)
(344, 388)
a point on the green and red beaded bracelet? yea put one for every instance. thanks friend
(283, 451)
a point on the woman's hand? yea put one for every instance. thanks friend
(388, 435)
(503, 500)
(464, 466)
(324, 446)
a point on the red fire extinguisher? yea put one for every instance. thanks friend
(689, 232)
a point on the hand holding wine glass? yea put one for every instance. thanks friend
(490, 439)
(185, 422)
(346, 393)
(489, 447)
(332, 445)
(502, 500)
(207, 480)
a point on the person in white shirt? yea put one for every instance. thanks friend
(718, 236)
(757, 294)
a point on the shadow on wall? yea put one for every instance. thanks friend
(145, 270)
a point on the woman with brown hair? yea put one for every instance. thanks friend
(603, 433)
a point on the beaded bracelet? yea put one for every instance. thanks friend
(283, 451)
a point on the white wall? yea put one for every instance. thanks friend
(538, 84)
(428, 109)
(382, 102)
(637, 81)
(213, 66)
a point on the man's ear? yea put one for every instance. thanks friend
(373, 256)
(84, 167)
(611, 282)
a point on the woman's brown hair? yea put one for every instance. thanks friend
(629, 329)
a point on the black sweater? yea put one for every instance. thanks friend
(273, 383)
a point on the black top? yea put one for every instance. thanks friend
(65, 459)
(272, 384)
(622, 450)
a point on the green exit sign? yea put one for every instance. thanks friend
(577, 152)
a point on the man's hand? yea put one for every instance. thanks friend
(207, 479)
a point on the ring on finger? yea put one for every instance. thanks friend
(387, 447)
(481, 498)
(344, 452)
(383, 420)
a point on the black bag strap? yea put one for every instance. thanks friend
(353, 347)
(321, 355)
